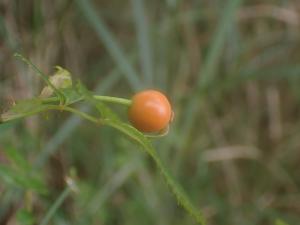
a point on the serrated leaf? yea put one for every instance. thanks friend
(176, 189)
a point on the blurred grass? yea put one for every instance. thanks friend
(144, 45)
(109, 42)
(231, 69)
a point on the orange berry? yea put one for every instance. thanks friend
(150, 111)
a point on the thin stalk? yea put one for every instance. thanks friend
(50, 100)
(110, 99)
(56, 205)
(79, 113)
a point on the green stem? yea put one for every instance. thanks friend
(110, 99)
(50, 100)
(7, 118)
(81, 114)
(56, 205)
(122, 101)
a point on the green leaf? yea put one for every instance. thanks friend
(105, 111)
(71, 95)
(176, 189)
(280, 222)
(7, 175)
(11, 177)
(19, 173)
(25, 217)
(26, 181)
(35, 183)
(15, 157)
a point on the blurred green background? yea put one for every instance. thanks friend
(231, 69)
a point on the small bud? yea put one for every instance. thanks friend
(61, 79)
(71, 183)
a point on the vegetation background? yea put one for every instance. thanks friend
(231, 70)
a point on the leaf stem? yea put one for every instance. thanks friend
(110, 99)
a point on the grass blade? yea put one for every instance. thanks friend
(208, 72)
(56, 205)
(110, 43)
(142, 29)
(206, 75)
